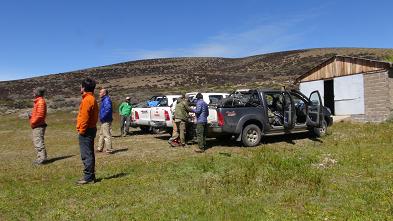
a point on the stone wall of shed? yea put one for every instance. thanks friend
(378, 91)
(390, 77)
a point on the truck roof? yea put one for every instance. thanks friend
(207, 93)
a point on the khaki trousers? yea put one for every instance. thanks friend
(181, 129)
(38, 142)
(175, 134)
(105, 137)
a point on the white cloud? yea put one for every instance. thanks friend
(268, 36)
(7, 75)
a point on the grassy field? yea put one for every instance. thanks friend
(346, 175)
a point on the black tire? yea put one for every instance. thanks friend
(251, 135)
(320, 131)
(155, 130)
(145, 129)
(169, 131)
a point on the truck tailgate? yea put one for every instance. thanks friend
(161, 116)
(212, 117)
(143, 116)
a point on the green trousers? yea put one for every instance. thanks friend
(201, 131)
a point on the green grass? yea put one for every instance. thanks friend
(346, 175)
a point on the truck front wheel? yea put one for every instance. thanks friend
(251, 135)
(320, 131)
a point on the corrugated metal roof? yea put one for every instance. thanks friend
(386, 65)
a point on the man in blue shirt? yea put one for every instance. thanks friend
(201, 111)
(105, 137)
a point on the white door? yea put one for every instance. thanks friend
(349, 95)
(307, 87)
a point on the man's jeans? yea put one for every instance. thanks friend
(86, 144)
(124, 124)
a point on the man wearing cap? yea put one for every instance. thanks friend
(125, 113)
(201, 111)
(38, 124)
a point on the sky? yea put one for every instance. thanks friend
(44, 37)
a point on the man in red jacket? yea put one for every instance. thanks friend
(38, 124)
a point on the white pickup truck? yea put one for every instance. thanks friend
(160, 116)
(211, 99)
(146, 117)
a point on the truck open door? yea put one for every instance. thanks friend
(314, 110)
(289, 111)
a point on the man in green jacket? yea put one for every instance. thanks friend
(181, 118)
(125, 113)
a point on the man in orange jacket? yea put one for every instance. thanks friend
(38, 124)
(87, 129)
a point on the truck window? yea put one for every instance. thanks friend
(213, 99)
(163, 102)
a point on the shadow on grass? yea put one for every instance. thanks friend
(119, 175)
(120, 150)
(222, 141)
(51, 160)
(133, 133)
(230, 141)
(162, 136)
(290, 138)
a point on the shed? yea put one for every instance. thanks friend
(349, 86)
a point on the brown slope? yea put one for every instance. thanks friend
(141, 79)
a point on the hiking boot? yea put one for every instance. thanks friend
(174, 144)
(109, 151)
(83, 182)
(38, 162)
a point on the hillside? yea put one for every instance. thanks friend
(141, 79)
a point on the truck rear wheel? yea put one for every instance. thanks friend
(145, 129)
(251, 135)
